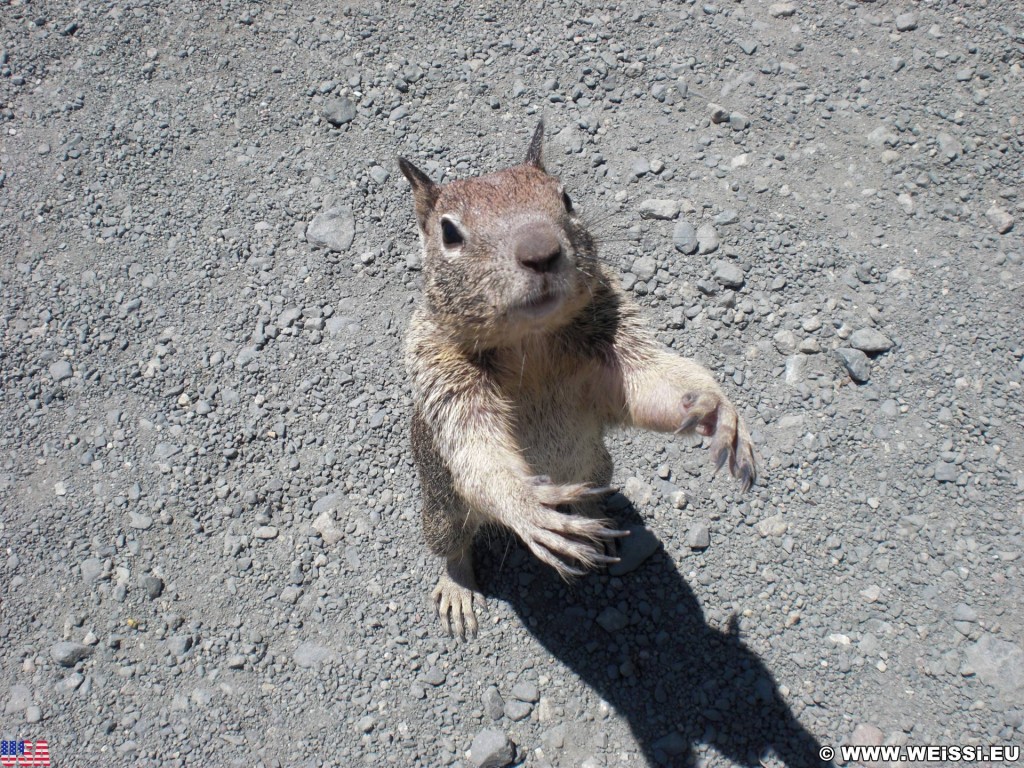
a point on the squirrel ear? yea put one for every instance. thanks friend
(533, 153)
(424, 190)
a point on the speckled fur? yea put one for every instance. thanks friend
(511, 404)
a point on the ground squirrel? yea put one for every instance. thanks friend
(522, 353)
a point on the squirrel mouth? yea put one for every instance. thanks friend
(539, 306)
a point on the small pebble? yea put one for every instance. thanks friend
(659, 209)
(906, 22)
(684, 237)
(60, 370)
(1000, 219)
(491, 748)
(856, 363)
(707, 239)
(870, 341)
(517, 710)
(698, 536)
(494, 705)
(526, 692)
(338, 112)
(435, 676)
(334, 229)
(634, 550)
(68, 654)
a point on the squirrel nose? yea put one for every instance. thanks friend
(538, 250)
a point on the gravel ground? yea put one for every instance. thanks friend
(210, 524)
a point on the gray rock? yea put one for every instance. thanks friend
(494, 705)
(333, 229)
(327, 528)
(964, 612)
(728, 274)
(435, 676)
(881, 136)
(18, 700)
(526, 691)
(517, 710)
(553, 739)
(641, 166)
(310, 654)
(867, 735)
(366, 723)
(719, 114)
(906, 22)
(728, 216)
(684, 237)
(153, 586)
(748, 46)
(339, 111)
(287, 318)
(775, 525)
(797, 366)
(698, 536)
(781, 10)
(671, 744)
(92, 568)
(949, 147)
(634, 550)
(997, 217)
(785, 342)
(60, 370)
(33, 714)
(491, 748)
(645, 268)
(612, 619)
(946, 472)
(139, 521)
(659, 209)
(869, 340)
(179, 645)
(707, 239)
(246, 355)
(68, 654)
(856, 363)
(999, 663)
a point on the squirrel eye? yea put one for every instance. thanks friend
(567, 202)
(450, 234)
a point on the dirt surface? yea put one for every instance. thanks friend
(210, 528)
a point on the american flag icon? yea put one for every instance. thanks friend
(19, 753)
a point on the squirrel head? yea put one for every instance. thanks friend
(504, 255)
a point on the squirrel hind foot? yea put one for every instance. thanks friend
(455, 597)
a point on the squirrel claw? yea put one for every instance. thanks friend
(599, 493)
(571, 544)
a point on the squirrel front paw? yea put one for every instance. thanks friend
(571, 544)
(712, 415)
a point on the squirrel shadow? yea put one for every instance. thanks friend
(678, 681)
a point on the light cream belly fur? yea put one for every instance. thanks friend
(562, 438)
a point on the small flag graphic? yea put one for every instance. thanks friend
(15, 754)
